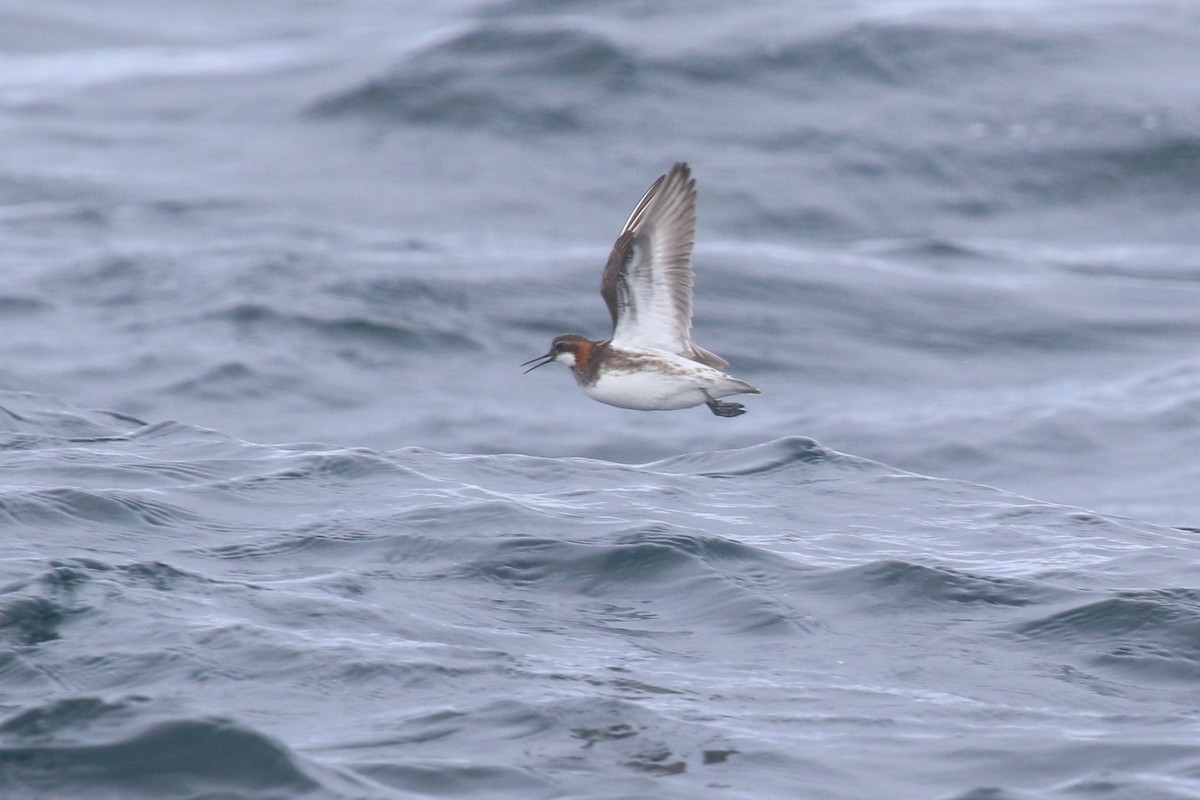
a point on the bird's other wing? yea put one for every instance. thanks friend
(647, 282)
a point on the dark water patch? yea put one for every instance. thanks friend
(24, 441)
(27, 621)
(180, 472)
(46, 418)
(398, 293)
(927, 249)
(983, 333)
(376, 332)
(122, 461)
(353, 556)
(538, 80)
(324, 469)
(114, 748)
(66, 715)
(1160, 170)
(1141, 271)
(63, 579)
(763, 459)
(113, 282)
(174, 209)
(22, 306)
(1103, 769)
(122, 419)
(159, 576)
(717, 756)
(632, 689)
(349, 464)
(450, 516)
(511, 719)
(68, 507)
(440, 779)
(325, 543)
(516, 8)
(646, 581)
(801, 218)
(710, 549)
(1153, 634)
(426, 737)
(658, 761)
(523, 562)
(386, 679)
(12, 416)
(66, 578)
(253, 319)
(180, 433)
(68, 575)
(632, 736)
(592, 569)
(902, 586)
(234, 380)
(931, 315)
(873, 54)
(37, 609)
(1169, 163)
(992, 793)
(542, 51)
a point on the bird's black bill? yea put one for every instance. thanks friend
(542, 361)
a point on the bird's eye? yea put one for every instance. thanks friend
(559, 347)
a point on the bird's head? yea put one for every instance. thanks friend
(569, 348)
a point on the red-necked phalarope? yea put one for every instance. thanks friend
(650, 363)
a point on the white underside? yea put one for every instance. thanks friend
(645, 390)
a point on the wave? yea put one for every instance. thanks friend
(1138, 165)
(537, 79)
(646, 582)
(887, 54)
(897, 584)
(502, 71)
(761, 459)
(129, 747)
(1151, 634)
(29, 78)
(69, 507)
(375, 332)
(29, 621)
(29, 419)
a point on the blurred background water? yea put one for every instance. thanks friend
(281, 517)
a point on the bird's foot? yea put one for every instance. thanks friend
(723, 409)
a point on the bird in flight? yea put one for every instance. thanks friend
(650, 362)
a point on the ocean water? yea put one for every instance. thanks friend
(280, 516)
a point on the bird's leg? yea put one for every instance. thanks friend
(723, 409)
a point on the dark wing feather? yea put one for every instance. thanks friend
(615, 270)
(647, 282)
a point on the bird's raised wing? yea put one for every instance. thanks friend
(647, 282)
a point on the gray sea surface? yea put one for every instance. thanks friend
(280, 516)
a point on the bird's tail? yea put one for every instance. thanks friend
(705, 357)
